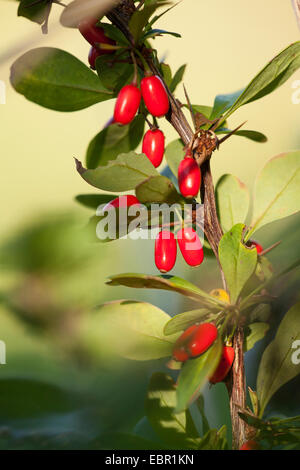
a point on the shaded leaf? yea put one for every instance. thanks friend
(232, 199)
(238, 261)
(157, 189)
(277, 190)
(182, 321)
(114, 140)
(92, 201)
(253, 333)
(195, 374)
(164, 282)
(277, 366)
(174, 153)
(214, 440)
(122, 174)
(113, 74)
(34, 11)
(160, 403)
(131, 329)
(56, 80)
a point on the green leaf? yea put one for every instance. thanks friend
(182, 321)
(38, 399)
(157, 189)
(254, 333)
(252, 135)
(277, 190)
(214, 440)
(152, 33)
(232, 199)
(92, 201)
(140, 18)
(273, 75)
(238, 261)
(195, 374)
(114, 33)
(166, 73)
(57, 80)
(254, 401)
(34, 11)
(131, 329)
(122, 174)
(114, 140)
(160, 403)
(177, 78)
(113, 74)
(174, 153)
(164, 282)
(277, 366)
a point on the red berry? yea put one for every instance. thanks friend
(250, 445)
(155, 96)
(189, 177)
(93, 54)
(194, 341)
(154, 146)
(259, 248)
(190, 246)
(224, 366)
(165, 251)
(94, 35)
(122, 201)
(127, 104)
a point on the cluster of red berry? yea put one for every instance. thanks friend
(195, 341)
(156, 101)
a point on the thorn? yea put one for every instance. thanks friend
(267, 250)
(190, 106)
(231, 133)
(79, 167)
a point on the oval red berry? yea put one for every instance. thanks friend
(93, 34)
(224, 365)
(190, 246)
(165, 251)
(202, 338)
(155, 96)
(250, 445)
(154, 146)
(189, 177)
(127, 104)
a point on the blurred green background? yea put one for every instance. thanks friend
(51, 275)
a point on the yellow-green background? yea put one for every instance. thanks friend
(224, 44)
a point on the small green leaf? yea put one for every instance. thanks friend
(140, 18)
(114, 140)
(182, 321)
(113, 74)
(122, 174)
(273, 75)
(277, 190)
(177, 78)
(34, 11)
(57, 80)
(202, 109)
(174, 153)
(131, 329)
(166, 73)
(252, 135)
(92, 201)
(253, 333)
(214, 440)
(152, 33)
(238, 261)
(157, 189)
(164, 282)
(254, 401)
(160, 403)
(195, 374)
(232, 198)
(277, 366)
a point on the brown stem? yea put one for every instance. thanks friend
(236, 386)
(119, 16)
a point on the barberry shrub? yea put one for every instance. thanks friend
(127, 69)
